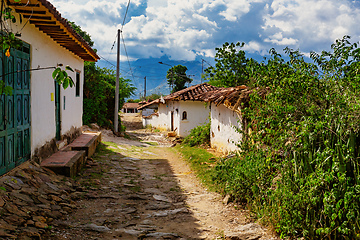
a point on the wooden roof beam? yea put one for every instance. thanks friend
(30, 12)
(36, 17)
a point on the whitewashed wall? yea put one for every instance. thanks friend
(147, 112)
(197, 114)
(158, 120)
(44, 52)
(223, 135)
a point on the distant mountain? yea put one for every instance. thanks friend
(155, 73)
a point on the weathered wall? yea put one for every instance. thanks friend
(223, 134)
(147, 112)
(45, 52)
(197, 114)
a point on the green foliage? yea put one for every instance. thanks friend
(177, 78)
(152, 97)
(62, 78)
(7, 90)
(299, 166)
(133, 100)
(199, 135)
(82, 33)
(231, 68)
(99, 94)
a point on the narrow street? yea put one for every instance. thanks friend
(145, 190)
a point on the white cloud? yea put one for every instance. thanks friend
(187, 28)
(305, 23)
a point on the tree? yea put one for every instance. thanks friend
(82, 33)
(177, 78)
(99, 94)
(99, 90)
(232, 68)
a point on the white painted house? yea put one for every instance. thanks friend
(40, 111)
(180, 111)
(227, 121)
(224, 129)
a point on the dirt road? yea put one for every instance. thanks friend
(139, 190)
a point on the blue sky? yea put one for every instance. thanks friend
(189, 30)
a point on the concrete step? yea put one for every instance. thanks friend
(87, 141)
(65, 163)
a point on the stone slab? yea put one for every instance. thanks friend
(87, 142)
(65, 163)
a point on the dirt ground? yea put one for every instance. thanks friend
(141, 188)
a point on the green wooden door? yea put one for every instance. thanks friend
(15, 110)
(57, 111)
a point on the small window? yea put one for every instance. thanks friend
(184, 115)
(77, 84)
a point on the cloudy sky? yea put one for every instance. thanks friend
(189, 30)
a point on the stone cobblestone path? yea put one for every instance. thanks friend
(149, 192)
(130, 189)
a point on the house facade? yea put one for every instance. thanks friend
(226, 119)
(225, 129)
(40, 111)
(180, 111)
(130, 107)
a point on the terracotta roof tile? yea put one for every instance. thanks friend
(191, 93)
(131, 105)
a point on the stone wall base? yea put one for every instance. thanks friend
(52, 146)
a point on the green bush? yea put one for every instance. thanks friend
(299, 168)
(99, 95)
(199, 135)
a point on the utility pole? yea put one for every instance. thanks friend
(144, 87)
(116, 111)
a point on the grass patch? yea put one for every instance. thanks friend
(103, 148)
(201, 161)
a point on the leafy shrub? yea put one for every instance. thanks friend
(99, 95)
(299, 167)
(199, 135)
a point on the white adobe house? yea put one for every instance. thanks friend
(226, 119)
(180, 111)
(40, 112)
(224, 129)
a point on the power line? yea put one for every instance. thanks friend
(106, 60)
(127, 8)
(122, 37)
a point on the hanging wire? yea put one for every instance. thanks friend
(127, 9)
(127, 56)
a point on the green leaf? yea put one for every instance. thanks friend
(65, 83)
(69, 68)
(71, 81)
(55, 72)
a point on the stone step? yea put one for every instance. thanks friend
(87, 141)
(65, 163)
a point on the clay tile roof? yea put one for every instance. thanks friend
(150, 103)
(131, 105)
(43, 15)
(233, 98)
(192, 93)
